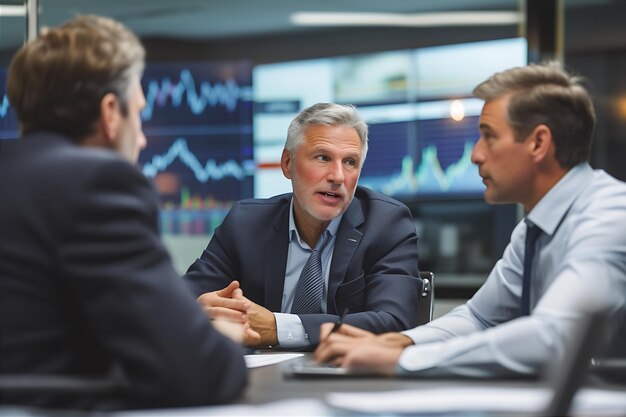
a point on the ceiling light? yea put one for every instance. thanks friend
(457, 110)
(408, 20)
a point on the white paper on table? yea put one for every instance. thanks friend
(255, 361)
(607, 402)
(495, 399)
(443, 400)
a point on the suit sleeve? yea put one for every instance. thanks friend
(138, 308)
(385, 297)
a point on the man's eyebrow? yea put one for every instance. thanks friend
(319, 148)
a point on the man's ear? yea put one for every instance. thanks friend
(541, 143)
(285, 163)
(110, 117)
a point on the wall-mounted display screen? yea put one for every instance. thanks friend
(198, 121)
(417, 103)
(216, 129)
(9, 127)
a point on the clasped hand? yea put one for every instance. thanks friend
(229, 304)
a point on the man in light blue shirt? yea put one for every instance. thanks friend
(535, 139)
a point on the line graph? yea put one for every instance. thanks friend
(4, 106)
(211, 170)
(226, 93)
(9, 125)
(198, 118)
(460, 177)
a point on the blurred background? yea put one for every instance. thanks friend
(225, 77)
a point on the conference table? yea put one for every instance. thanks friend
(273, 382)
(272, 391)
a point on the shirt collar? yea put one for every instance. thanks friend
(550, 210)
(332, 228)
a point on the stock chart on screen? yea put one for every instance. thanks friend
(9, 128)
(198, 121)
(417, 103)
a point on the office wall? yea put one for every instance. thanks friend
(595, 45)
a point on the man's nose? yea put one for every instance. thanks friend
(335, 172)
(142, 141)
(477, 154)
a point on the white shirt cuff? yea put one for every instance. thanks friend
(290, 331)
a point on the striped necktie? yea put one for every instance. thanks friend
(308, 298)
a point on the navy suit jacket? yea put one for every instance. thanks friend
(86, 285)
(373, 270)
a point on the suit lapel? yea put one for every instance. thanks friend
(275, 259)
(346, 243)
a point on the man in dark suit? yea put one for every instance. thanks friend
(87, 290)
(366, 243)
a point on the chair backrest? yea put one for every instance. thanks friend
(427, 298)
(51, 390)
(568, 374)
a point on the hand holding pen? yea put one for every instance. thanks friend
(339, 321)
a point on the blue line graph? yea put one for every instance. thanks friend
(4, 106)
(226, 94)
(203, 173)
(460, 177)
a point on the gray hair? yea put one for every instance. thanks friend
(546, 94)
(328, 114)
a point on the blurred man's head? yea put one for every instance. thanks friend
(325, 150)
(536, 120)
(82, 80)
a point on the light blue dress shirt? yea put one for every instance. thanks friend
(289, 328)
(579, 267)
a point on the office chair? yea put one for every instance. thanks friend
(568, 374)
(427, 298)
(58, 390)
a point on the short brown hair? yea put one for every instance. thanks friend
(545, 94)
(56, 82)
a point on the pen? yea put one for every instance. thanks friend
(339, 321)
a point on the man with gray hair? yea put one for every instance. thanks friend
(305, 257)
(92, 313)
(566, 260)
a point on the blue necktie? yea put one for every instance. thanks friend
(532, 233)
(308, 298)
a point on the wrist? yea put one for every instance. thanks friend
(396, 340)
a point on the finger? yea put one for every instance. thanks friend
(337, 361)
(325, 329)
(226, 292)
(330, 354)
(368, 358)
(234, 331)
(226, 314)
(252, 338)
(230, 303)
(330, 351)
